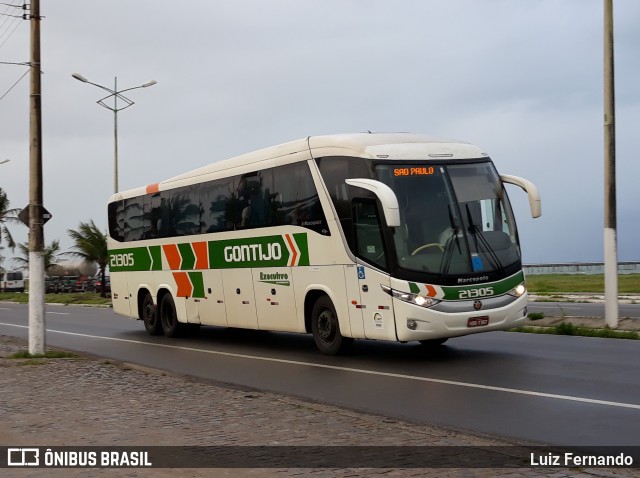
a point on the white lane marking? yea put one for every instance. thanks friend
(356, 370)
(58, 313)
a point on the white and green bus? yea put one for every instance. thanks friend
(398, 237)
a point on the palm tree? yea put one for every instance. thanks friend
(7, 216)
(50, 254)
(91, 245)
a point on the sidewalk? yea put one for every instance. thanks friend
(89, 401)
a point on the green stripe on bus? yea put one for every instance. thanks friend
(132, 259)
(488, 289)
(264, 251)
(188, 257)
(303, 246)
(198, 284)
(156, 258)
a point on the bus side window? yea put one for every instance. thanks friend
(368, 233)
(253, 190)
(334, 170)
(294, 200)
(217, 201)
(133, 218)
(116, 220)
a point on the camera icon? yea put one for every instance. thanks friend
(23, 457)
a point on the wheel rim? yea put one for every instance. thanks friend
(148, 314)
(326, 327)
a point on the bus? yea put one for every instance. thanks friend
(11, 281)
(397, 237)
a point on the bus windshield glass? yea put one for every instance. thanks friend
(455, 218)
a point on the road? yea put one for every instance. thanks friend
(582, 309)
(555, 390)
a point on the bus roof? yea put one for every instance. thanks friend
(398, 146)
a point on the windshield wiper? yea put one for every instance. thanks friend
(478, 235)
(444, 267)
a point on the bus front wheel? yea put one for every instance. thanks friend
(168, 317)
(150, 316)
(326, 330)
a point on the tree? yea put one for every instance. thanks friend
(7, 216)
(50, 253)
(90, 244)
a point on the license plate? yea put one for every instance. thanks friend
(478, 321)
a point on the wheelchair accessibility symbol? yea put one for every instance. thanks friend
(360, 272)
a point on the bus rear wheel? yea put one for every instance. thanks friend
(326, 329)
(169, 318)
(150, 316)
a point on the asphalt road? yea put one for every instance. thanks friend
(578, 309)
(556, 390)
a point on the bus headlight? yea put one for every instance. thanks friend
(414, 299)
(518, 291)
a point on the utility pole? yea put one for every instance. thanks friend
(610, 222)
(37, 329)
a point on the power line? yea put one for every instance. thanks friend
(8, 22)
(7, 34)
(23, 7)
(14, 85)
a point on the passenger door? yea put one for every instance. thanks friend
(376, 305)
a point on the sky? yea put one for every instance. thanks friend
(521, 79)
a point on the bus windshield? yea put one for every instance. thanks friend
(455, 218)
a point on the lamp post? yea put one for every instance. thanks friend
(127, 102)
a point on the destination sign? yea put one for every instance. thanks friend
(414, 171)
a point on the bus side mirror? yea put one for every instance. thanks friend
(531, 190)
(386, 196)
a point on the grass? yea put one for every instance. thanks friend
(565, 328)
(535, 315)
(90, 298)
(48, 354)
(589, 283)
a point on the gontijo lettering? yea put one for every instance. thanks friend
(253, 252)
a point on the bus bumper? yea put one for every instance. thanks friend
(418, 323)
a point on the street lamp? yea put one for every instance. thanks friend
(127, 102)
(4, 161)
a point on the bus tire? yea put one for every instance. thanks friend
(150, 317)
(168, 317)
(326, 329)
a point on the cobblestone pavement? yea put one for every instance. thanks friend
(89, 401)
